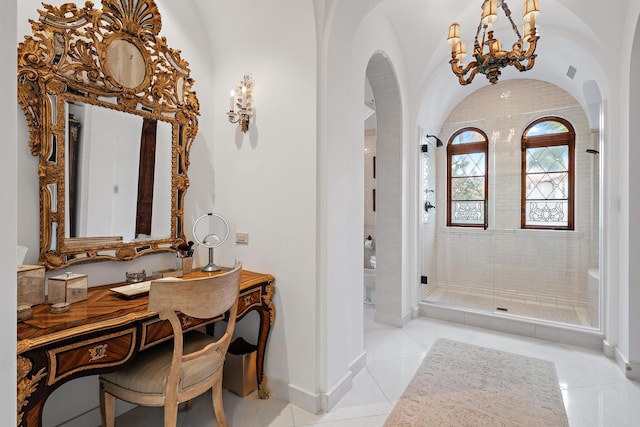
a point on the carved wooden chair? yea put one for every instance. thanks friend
(186, 366)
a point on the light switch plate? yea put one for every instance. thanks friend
(242, 238)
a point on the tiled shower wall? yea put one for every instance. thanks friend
(546, 266)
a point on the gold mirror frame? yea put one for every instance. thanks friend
(113, 58)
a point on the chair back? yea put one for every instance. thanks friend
(203, 298)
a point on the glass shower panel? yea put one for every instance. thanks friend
(546, 275)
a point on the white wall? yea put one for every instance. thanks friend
(8, 118)
(262, 182)
(631, 302)
(290, 185)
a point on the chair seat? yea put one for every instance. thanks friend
(148, 372)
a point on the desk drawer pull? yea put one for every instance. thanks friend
(98, 352)
(245, 302)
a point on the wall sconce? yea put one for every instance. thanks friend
(242, 99)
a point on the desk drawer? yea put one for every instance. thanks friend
(249, 300)
(155, 331)
(102, 352)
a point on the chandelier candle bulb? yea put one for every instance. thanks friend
(461, 50)
(231, 100)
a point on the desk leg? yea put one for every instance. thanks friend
(31, 392)
(267, 317)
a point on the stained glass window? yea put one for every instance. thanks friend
(467, 178)
(547, 174)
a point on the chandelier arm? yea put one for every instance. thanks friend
(530, 63)
(479, 28)
(507, 12)
(468, 80)
(533, 42)
(460, 72)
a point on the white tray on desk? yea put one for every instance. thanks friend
(139, 289)
(133, 290)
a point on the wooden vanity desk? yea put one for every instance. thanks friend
(107, 331)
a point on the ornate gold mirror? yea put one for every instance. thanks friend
(112, 117)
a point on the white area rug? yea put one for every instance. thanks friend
(460, 385)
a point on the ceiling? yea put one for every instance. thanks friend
(567, 39)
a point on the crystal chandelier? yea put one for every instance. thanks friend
(489, 61)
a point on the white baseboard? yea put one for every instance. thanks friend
(359, 363)
(393, 320)
(333, 396)
(608, 349)
(415, 312)
(631, 370)
(306, 400)
(316, 403)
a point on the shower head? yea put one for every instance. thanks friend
(438, 142)
(592, 151)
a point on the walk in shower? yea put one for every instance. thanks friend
(502, 268)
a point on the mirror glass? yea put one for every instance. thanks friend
(118, 174)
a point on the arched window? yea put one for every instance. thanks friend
(548, 174)
(467, 178)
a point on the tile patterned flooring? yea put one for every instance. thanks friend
(595, 391)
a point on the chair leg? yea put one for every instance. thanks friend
(218, 409)
(170, 413)
(107, 408)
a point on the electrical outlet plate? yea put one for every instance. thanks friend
(242, 238)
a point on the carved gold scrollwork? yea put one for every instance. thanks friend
(270, 291)
(113, 58)
(26, 386)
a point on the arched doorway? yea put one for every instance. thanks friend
(388, 194)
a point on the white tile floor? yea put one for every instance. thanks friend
(595, 391)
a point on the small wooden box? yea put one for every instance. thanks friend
(31, 284)
(68, 287)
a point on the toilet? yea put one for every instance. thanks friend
(370, 282)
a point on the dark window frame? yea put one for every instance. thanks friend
(549, 140)
(468, 148)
